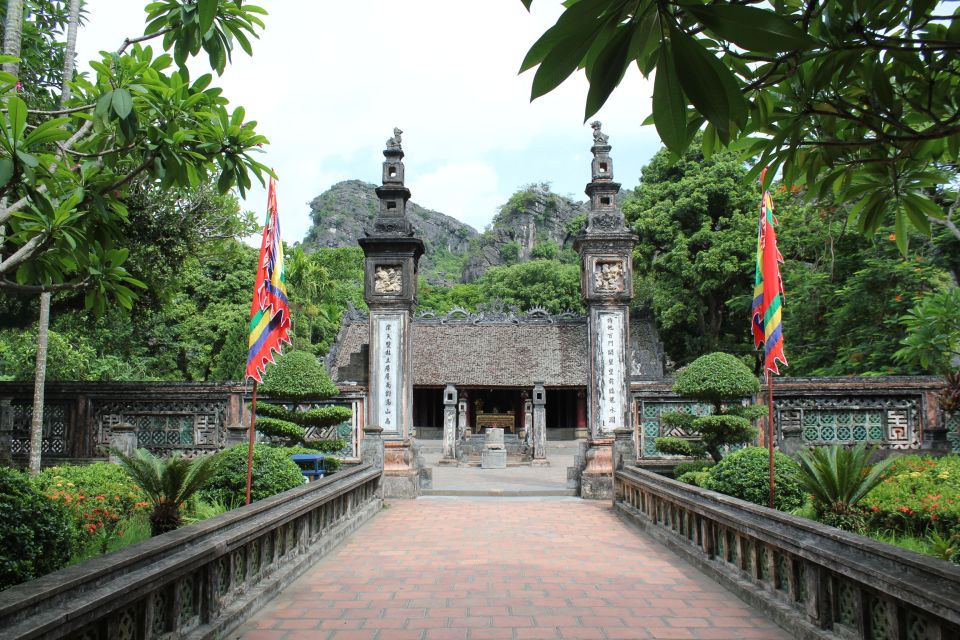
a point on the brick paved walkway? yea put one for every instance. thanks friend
(475, 569)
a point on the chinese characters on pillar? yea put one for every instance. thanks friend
(610, 370)
(388, 337)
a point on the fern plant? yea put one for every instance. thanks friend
(167, 484)
(838, 478)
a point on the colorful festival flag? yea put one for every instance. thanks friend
(768, 290)
(269, 314)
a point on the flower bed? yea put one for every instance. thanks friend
(919, 494)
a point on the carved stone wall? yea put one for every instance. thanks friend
(898, 414)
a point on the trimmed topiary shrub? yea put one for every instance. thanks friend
(36, 534)
(273, 472)
(720, 380)
(297, 375)
(745, 475)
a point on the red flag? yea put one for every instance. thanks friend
(270, 313)
(768, 290)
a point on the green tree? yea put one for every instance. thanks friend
(722, 381)
(539, 283)
(856, 99)
(696, 222)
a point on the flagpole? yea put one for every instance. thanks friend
(769, 430)
(252, 438)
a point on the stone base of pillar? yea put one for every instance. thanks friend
(596, 481)
(580, 433)
(540, 462)
(401, 471)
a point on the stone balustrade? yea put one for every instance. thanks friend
(200, 581)
(815, 580)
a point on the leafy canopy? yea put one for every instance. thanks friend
(858, 100)
(135, 120)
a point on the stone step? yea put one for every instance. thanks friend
(500, 493)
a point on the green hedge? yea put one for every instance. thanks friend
(36, 533)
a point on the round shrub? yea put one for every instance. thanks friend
(715, 378)
(698, 478)
(273, 472)
(279, 428)
(36, 534)
(687, 466)
(297, 375)
(745, 475)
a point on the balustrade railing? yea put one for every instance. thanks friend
(815, 580)
(199, 581)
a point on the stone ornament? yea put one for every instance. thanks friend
(600, 139)
(394, 142)
(608, 277)
(388, 279)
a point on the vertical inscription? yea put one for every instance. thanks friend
(388, 336)
(611, 370)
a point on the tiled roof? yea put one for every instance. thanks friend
(507, 351)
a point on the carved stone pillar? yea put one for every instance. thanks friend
(606, 248)
(371, 447)
(449, 425)
(624, 450)
(463, 420)
(581, 431)
(391, 255)
(6, 431)
(528, 420)
(123, 438)
(539, 425)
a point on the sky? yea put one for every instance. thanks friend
(328, 81)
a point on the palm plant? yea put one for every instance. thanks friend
(167, 483)
(838, 478)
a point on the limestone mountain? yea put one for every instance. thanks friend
(342, 213)
(534, 223)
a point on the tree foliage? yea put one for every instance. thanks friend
(696, 223)
(858, 100)
(134, 123)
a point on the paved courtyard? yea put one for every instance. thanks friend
(502, 568)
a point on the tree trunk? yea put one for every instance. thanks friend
(12, 32)
(70, 55)
(36, 422)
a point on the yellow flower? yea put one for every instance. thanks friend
(915, 474)
(944, 476)
(70, 484)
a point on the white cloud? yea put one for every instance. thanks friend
(329, 80)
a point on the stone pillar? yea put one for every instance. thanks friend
(581, 432)
(371, 447)
(391, 255)
(606, 248)
(624, 449)
(449, 425)
(463, 420)
(123, 439)
(237, 434)
(6, 432)
(528, 420)
(494, 454)
(539, 425)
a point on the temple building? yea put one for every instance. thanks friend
(494, 359)
(536, 376)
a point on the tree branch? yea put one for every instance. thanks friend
(32, 289)
(23, 254)
(61, 112)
